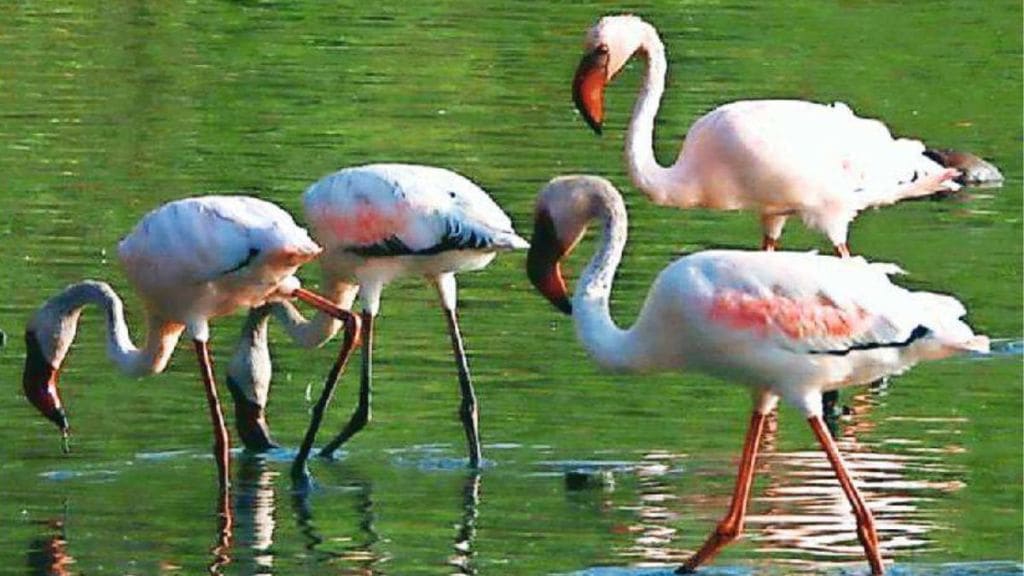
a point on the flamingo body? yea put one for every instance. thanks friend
(199, 258)
(189, 260)
(775, 157)
(788, 325)
(382, 221)
(794, 323)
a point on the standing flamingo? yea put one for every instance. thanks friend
(377, 223)
(789, 325)
(778, 157)
(189, 260)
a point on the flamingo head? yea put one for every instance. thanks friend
(564, 208)
(39, 381)
(608, 46)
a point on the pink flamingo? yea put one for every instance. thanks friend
(377, 223)
(189, 260)
(778, 157)
(788, 325)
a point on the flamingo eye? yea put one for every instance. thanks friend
(451, 194)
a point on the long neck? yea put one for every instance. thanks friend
(609, 345)
(649, 176)
(310, 333)
(56, 324)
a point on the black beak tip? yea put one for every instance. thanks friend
(60, 418)
(564, 305)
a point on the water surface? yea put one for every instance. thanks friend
(107, 112)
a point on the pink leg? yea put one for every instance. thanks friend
(865, 522)
(732, 525)
(220, 431)
(769, 244)
(843, 250)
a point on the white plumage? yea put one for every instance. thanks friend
(777, 157)
(788, 325)
(377, 223)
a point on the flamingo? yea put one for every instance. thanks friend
(380, 222)
(788, 325)
(189, 260)
(777, 157)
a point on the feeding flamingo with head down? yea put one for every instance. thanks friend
(377, 223)
(189, 260)
(777, 157)
(788, 325)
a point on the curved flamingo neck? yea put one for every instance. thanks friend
(56, 325)
(313, 332)
(655, 180)
(608, 344)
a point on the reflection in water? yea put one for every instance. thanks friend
(254, 515)
(462, 559)
(652, 545)
(808, 514)
(48, 555)
(222, 550)
(359, 553)
(799, 511)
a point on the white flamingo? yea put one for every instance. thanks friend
(788, 325)
(189, 260)
(377, 223)
(778, 157)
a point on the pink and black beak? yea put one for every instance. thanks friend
(39, 381)
(543, 262)
(588, 86)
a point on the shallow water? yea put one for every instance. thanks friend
(105, 113)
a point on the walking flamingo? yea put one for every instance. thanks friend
(788, 325)
(778, 157)
(379, 222)
(190, 260)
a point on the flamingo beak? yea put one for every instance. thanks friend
(39, 381)
(588, 87)
(543, 263)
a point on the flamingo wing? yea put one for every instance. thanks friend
(197, 240)
(810, 304)
(397, 209)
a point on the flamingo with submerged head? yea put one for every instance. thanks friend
(377, 223)
(788, 325)
(777, 157)
(189, 260)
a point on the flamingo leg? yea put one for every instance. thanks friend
(842, 250)
(865, 522)
(220, 431)
(468, 411)
(769, 244)
(352, 328)
(731, 526)
(361, 417)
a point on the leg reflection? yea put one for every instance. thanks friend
(359, 554)
(222, 550)
(462, 559)
(48, 555)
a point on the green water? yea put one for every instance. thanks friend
(105, 112)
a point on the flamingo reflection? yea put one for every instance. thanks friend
(48, 555)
